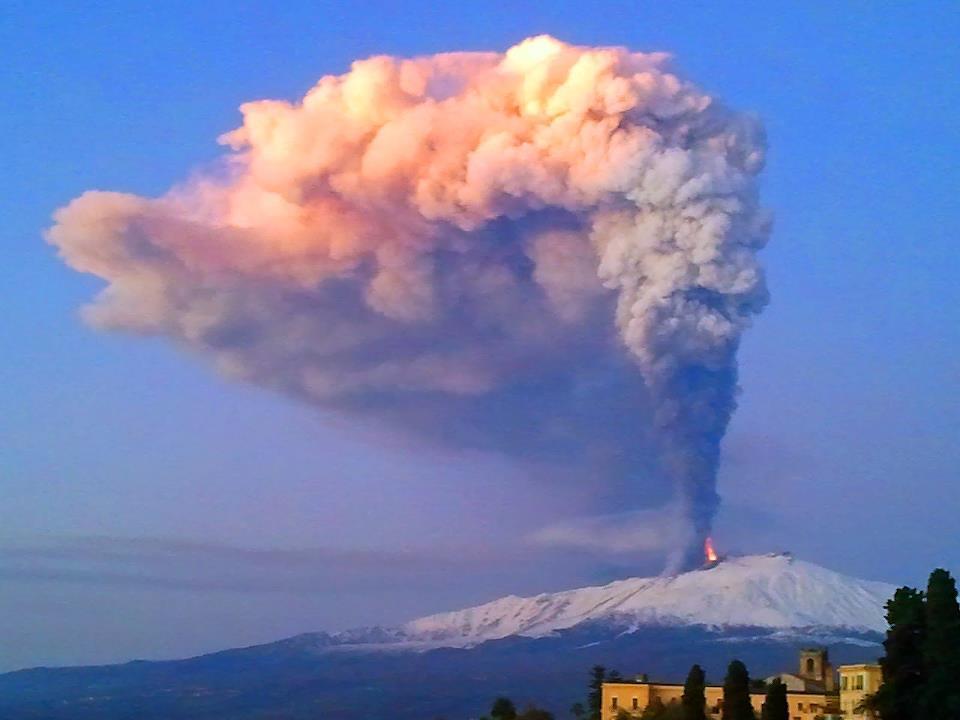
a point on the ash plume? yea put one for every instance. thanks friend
(548, 253)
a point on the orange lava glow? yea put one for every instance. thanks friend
(709, 552)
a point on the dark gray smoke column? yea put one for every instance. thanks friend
(549, 253)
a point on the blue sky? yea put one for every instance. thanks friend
(142, 491)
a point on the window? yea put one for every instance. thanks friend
(844, 683)
(810, 666)
(613, 702)
(636, 704)
(800, 707)
(859, 685)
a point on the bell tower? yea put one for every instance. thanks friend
(815, 667)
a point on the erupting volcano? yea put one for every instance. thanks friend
(710, 555)
(550, 254)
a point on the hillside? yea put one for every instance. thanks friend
(537, 649)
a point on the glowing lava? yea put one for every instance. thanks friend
(709, 552)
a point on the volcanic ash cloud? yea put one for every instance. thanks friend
(549, 253)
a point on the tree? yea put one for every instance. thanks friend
(899, 696)
(503, 709)
(598, 673)
(775, 705)
(736, 693)
(654, 710)
(940, 697)
(673, 711)
(532, 712)
(577, 710)
(694, 700)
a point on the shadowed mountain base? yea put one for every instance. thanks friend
(291, 680)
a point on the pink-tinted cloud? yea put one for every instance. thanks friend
(550, 251)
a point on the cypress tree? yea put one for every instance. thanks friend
(941, 649)
(694, 700)
(598, 673)
(736, 693)
(899, 697)
(775, 705)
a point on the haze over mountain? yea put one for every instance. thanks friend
(758, 608)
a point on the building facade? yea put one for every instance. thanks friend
(634, 697)
(856, 682)
(813, 693)
(815, 673)
(816, 670)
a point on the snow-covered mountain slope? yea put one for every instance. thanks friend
(757, 609)
(776, 592)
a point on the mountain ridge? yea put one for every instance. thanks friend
(760, 609)
(775, 591)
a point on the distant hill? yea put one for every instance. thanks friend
(538, 649)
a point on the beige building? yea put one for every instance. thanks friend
(813, 693)
(856, 682)
(815, 673)
(633, 697)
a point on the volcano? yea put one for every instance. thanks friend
(775, 592)
(759, 609)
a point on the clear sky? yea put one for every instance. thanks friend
(151, 508)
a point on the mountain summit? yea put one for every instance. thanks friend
(759, 609)
(773, 592)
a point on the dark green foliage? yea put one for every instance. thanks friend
(902, 664)
(694, 699)
(921, 662)
(673, 711)
(654, 711)
(532, 712)
(598, 673)
(736, 693)
(941, 649)
(503, 709)
(577, 710)
(775, 705)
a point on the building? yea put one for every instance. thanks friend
(816, 670)
(816, 674)
(634, 697)
(813, 693)
(856, 682)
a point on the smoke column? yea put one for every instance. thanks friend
(548, 253)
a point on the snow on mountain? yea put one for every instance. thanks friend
(775, 592)
(761, 609)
